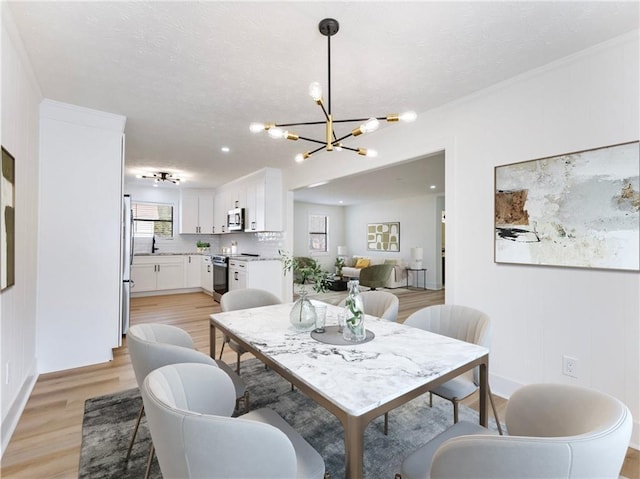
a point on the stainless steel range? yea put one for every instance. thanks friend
(220, 266)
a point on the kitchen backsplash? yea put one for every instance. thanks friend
(263, 244)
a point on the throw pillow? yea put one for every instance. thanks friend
(391, 261)
(362, 263)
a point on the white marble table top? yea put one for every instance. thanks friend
(357, 378)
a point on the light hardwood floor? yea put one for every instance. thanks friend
(46, 443)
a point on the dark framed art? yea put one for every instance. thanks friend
(577, 209)
(7, 220)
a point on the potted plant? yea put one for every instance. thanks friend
(202, 246)
(339, 264)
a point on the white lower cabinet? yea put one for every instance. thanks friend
(192, 267)
(259, 274)
(237, 275)
(206, 274)
(155, 273)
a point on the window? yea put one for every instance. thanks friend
(318, 227)
(152, 219)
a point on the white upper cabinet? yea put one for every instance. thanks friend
(196, 212)
(264, 201)
(260, 194)
(220, 209)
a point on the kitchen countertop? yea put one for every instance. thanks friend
(236, 257)
(240, 257)
(197, 253)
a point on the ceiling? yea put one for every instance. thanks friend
(191, 76)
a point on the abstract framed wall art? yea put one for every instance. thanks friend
(383, 236)
(7, 220)
(578, 209)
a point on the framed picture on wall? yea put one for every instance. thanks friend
(383, 236)
(577, 209)
(7, 220)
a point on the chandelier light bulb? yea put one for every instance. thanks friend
(256, 127)
(315, 91)
(408, 116)
(276, 133)
(370, 125)
(367, 152)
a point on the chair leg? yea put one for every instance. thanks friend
(222, 349)
(495, 412)
(455, 410)
(238, 364)
(386, 424)
(135, 431)
(149, 461)
(430, 399)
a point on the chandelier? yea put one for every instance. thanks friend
(160, 177)
(329, 27)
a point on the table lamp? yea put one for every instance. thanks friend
(416, 256)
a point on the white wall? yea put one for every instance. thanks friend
(336, 218)
(539, 313)
(19, 135)
(418, 227)
(79, 282)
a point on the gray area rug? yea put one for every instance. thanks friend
(109, 420)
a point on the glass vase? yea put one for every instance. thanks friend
(303, 313)
(354, 314)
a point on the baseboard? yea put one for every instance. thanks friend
(504, 388)
(10, 422)
(169, 291)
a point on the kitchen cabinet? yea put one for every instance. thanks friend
(196, 212)
(260, 274)
(237, 275)
(192, 270)
(264, 201)
(206, 274)
(155, 273)
(220, 209)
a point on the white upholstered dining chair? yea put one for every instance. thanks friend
(381, 304)
(463, 323)
(188, 410)
(555, 431)
(243, 299)
(153, 345)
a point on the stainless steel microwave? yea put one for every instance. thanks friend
(235, 219)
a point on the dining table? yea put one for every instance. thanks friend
(356, 382)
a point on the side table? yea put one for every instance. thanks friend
(424, 277)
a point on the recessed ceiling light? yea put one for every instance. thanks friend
(433, 187)
(225, 149)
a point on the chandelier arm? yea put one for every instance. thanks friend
(312, 140)
(328, 76)
(300, 124)
(359, 119)
(349, 148)
(338, 140)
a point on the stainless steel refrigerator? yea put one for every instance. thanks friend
(127, 258)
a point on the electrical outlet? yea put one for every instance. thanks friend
(570, 366)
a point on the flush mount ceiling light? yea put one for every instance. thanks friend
(161, 176)
(329, 27)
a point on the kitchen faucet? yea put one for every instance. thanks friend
(154, 248)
